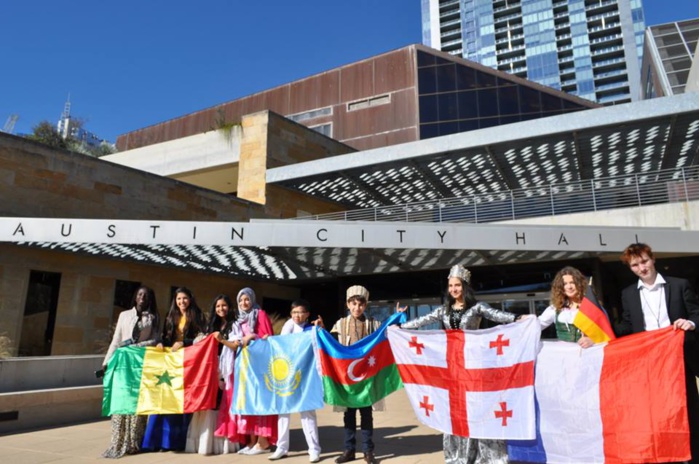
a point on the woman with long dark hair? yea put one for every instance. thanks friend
(183, 324)
(463, 311)
(203, 436)
(139, 326)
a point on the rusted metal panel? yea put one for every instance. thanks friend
(356, 81)
(394, 71)
(314, 92)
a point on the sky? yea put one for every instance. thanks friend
(129, 64)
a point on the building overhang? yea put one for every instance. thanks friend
(633, 138)
(290, 251)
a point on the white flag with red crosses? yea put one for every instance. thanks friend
(471, 383)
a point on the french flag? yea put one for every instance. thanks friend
(623, 402)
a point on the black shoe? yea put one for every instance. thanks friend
(347, 456)
(369, 457)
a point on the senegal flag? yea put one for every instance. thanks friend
(358, 375)
(142, 380)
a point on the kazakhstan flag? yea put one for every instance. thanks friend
(277, 376)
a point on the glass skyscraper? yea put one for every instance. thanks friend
(589, 48)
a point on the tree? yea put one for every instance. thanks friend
(46, 133)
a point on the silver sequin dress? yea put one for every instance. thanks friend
(458, 449)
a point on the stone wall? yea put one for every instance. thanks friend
(85, 309)
(38, 181)
(270, 141)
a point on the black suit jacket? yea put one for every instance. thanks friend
(681, 300)
(682, 303)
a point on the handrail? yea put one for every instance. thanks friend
(642, 189)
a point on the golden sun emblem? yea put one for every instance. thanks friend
(280, 377)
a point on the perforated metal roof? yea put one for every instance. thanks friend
(298, 264)
(591, 144)
(252, 262)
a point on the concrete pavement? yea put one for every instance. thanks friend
(399, 438)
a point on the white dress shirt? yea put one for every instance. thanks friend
(655, 315)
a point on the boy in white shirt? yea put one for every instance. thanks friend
(298, 323)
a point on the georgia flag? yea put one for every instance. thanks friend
(472, 383)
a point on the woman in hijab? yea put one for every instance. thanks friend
(254, 323)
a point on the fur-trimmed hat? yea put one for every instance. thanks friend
(357, 290)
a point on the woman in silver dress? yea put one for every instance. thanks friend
(463, 311)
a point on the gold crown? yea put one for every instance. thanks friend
(357, 290)
(461, 272)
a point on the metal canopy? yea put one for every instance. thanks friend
(593, 144)
(250, 262)
(286, 264)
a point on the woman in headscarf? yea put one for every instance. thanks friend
(254, 323)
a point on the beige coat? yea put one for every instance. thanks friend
(124, 331)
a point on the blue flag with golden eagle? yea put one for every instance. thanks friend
(277, 376)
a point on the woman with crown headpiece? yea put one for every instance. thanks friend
(463, 311)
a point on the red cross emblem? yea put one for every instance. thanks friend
(499, 343)
(457, 379)
(503, 413)
(425, 404)
(418, 346)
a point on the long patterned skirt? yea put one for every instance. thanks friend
(127, 434)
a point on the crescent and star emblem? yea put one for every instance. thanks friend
(350, 369)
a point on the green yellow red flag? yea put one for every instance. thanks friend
(145, 380)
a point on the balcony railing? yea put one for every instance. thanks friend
(651, 188)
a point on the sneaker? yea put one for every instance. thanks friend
(243, 450)
(257, 450)
(313, 457)
(277, 455)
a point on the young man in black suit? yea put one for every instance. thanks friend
(656, 302)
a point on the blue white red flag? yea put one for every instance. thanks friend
(622, 402)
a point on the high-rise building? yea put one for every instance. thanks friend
(670, 59)
(590, 48)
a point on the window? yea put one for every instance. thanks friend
(325, 129)
(369, 102)
(298, 117)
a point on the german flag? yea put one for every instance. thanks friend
(592, 319)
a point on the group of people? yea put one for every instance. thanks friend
(205, 432)
(653, 302)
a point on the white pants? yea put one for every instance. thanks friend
(310, 430)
